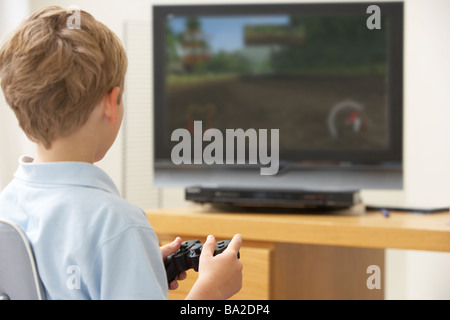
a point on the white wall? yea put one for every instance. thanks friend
(427, 142)
(409, 274)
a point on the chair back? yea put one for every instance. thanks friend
(19, 279)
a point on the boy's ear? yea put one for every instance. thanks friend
(110, 105)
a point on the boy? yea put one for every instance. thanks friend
(65, 87)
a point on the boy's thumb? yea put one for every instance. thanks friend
(170, 248)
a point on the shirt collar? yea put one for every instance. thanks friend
(64, 173)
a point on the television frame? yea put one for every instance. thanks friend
(382, 169)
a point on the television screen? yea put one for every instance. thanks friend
(326, 77)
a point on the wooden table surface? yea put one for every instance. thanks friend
(371, 229)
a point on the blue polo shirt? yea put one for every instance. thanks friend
(88, 242)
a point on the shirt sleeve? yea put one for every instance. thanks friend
(130, 266)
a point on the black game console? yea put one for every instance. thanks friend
(273, 198)
(187, 257)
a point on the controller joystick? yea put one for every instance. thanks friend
(187, 257)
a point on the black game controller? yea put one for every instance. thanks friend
(187, 257)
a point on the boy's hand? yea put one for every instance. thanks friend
(166, 251)
(220, 276)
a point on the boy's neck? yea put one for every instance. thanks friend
(66, 149)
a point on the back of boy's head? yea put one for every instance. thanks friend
(53, 77)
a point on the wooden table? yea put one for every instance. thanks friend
(305, 255)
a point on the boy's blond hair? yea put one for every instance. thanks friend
(53, 77)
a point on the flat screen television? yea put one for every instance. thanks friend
(318, 87)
